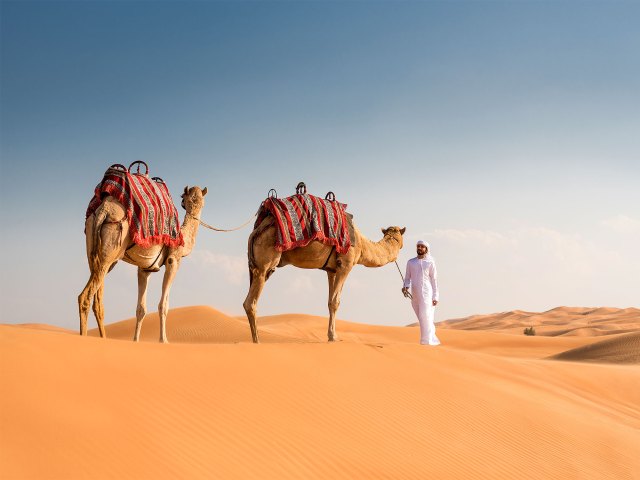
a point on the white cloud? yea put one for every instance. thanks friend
(622, 224)
(484, 237)
(302, 283)
(234, 268)
(538, 256)
(528, 249)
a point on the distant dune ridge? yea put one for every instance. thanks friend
(488, 403)
(559, 321)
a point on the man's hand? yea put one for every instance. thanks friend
(434, 302)
(405, 292)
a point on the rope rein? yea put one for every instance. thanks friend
(408, 295)
(210, 227)
(399, 271)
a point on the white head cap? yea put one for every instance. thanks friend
(422, 242)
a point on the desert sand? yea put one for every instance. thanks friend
(488, 403)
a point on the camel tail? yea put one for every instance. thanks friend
(252, 238)
(251, 257)
(99, 216)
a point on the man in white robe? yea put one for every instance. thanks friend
(422, 278)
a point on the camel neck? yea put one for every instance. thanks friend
(377, 254)
(190, 231)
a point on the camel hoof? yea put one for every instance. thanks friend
(334, 339)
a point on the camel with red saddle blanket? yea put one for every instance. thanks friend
(308, 232)
(132, 218)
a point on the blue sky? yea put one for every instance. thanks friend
(505, 133)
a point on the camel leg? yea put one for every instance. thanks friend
(335, 291)
(258, 280)
(331, 276)
(170, 270)
(98, 309)
(263, 261)
(105, 244)
(96, 280)
(84, 304)
(141, 310)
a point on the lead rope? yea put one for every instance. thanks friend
(206, 225)
(408, 295)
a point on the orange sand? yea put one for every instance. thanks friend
(485, 404)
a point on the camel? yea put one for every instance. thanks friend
(264, 259)
(108, 240)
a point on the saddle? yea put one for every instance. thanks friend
(303, 218)
(152, 216)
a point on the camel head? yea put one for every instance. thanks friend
(394, 234)
(193, 199)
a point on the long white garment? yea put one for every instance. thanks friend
(422, 277)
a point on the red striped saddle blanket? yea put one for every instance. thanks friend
(303, 218)
(152, 217)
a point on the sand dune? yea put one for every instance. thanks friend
(560, 321)
(202, 324)
(44, 326)
(198, 324)
(621, 349)
(485, 404)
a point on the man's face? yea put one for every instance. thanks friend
(421, 249)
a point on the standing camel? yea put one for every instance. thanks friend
(264, 259)
(108, 240)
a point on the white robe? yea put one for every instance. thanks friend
(421, 277)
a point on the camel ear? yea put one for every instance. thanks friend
(204, 191)
(402, 230)
(384, 230)
(186, 190)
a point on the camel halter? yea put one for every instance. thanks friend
(206, 225)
